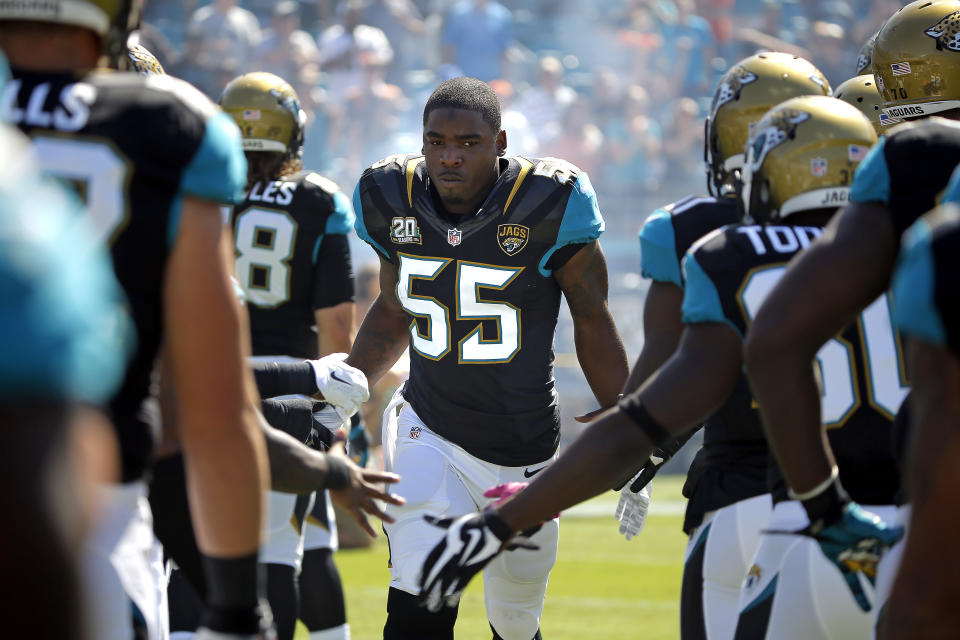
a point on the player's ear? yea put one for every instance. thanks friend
(501, 143)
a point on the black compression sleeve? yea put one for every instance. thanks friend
(333, 273)
(284, 378)
(293, 416)
(562, 255)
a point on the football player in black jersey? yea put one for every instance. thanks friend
(476, 248)
(917, 69)
(728, 477)
(293, 263)
(153, 158)
(922, 603)
(727, 274)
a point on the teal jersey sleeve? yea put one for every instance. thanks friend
(871, 181)
(581, 222)
(62, 311)
(952, 192)
(658, 253)
(342, 219)
(701, 300)
(915, 309)
(361, 228)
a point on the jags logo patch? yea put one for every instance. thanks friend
(512, 238)
(946, 32)
(732, 85)
(776, 129)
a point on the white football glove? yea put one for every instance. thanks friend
(340, 384)
(469, 544)
(632, 509)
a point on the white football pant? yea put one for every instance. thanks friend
(440, 478)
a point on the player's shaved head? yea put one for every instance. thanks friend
(469, 94)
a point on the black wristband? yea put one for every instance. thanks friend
(634, 410)
(496, 524)
(233, 586)
(338, 473)
(826, 507)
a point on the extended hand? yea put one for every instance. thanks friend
(340, 384)
(358, 498)
(470, 543)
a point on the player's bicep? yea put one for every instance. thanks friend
(662, 329)
(828, 284)
(389, 277)
(584, 281)
(204, 323)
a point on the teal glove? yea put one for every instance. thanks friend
(358, 443)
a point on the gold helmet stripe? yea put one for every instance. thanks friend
(76, 12)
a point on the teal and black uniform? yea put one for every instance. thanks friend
(481, 297)
(731, 466)
(729, 274)
(133, 147)
(293, 258)
(925, 286)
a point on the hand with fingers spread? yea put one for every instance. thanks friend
(356, 490)
(469, 544)
(341, 385)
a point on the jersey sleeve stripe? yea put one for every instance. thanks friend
(915, 309)
(581, 222)
(361, 228)
(952, 192)
(701, 301)
(658, 253)
(871, 181)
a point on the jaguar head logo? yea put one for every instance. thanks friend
(772, 131)
(731, 86)
(946, 32)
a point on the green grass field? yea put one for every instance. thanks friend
(601, 587)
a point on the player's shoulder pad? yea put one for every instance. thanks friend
(217, 169)
(582, 221)
(391, 169)
(914, 285)
(871, 180)
(332, 201)
(658, 252)
(701, 298)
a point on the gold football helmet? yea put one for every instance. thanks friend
(112, 20)
(862, 93)
(745, 92)
(916, 59)
(267, 110)
(802, 156)
(144, 62)
(865, 56)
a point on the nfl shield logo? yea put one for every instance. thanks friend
(818, 167)
(454, 236)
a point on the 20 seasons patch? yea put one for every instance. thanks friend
(512, 238)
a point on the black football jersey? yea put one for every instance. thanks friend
(728, 275)
(908, 169)
(292, 259)
(481, 297)
(132, 147)
(732, 464)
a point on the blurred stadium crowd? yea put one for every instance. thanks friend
(618, 87)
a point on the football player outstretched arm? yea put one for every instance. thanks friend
(300, 469)
(583, 280)
(385, 331)
(821, 292)
(335, 328)
(606, 453)
(662, 328)
(923, 602)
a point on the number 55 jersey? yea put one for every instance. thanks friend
(481, 297)
(728, 275)
(132, 147)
